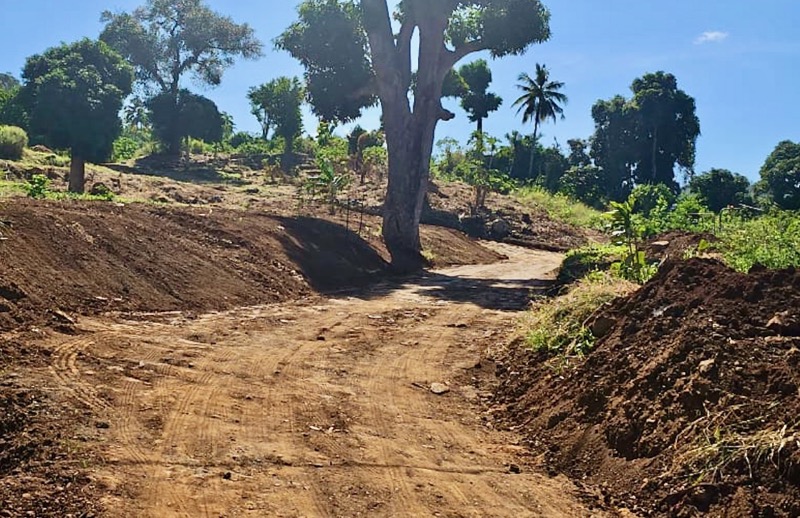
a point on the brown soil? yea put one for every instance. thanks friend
(88, 258)
(678, 243)
(688, 406)
(309, 408)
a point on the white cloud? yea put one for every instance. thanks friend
(711, 37)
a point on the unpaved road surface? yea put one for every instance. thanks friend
(314, 408)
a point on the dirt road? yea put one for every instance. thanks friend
(315, 408)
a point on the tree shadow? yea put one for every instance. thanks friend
(495, 294)
(339, 263)
(330, 256)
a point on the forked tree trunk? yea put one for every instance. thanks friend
(77, 174)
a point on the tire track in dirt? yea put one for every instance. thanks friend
(311, 410)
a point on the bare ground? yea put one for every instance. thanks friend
(313, 408)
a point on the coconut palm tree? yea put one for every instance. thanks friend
(540, 102)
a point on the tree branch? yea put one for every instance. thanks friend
(464, 50)
(404, 48)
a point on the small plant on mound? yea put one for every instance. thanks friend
(633, 266)
(558, 326)
(13, 141)
(328, 184)
(38, 187)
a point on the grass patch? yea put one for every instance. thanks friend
(561, 208)
(589, 259)
(557, 326)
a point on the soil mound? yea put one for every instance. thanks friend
(689, 404)
(57, 259)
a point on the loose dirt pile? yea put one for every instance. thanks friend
(63, 258)
(688, 405)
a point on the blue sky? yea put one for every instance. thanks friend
(739, 59)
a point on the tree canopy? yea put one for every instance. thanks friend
(353, 56)
(720, 188)
(166, 39)
(73, 94)
(8, 82)
(540, 101)
(476, 99)
(277, 106)
(197, 117)
(643, 139)
(781, 174)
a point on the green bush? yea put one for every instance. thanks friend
(38, 187)
(772, 241)
(561, 207)
(124, 148)
(13, 141)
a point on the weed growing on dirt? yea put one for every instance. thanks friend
(719, 447)
(559, 326)
(561, 207)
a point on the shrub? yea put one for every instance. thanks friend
(38, 187)
(772, 241)
(561, 207)
(13, 141)
(124, 148)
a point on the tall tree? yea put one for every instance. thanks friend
(641, 140)
(73, 95)
(8, 82)
(541, 101)
(781, 174)
(353, 56)
(167, 39)
(277, 106)
(720, 188)
(667, 128)
(612, 146)
(477, 101)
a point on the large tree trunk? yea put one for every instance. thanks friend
(480, 126)
(287, 160)
(77, 174)
(409, 133)
(409, 171)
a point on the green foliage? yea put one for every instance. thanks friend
(8, 82)
(540, 101)
(772, 240)
(13, 142)
(124, 149)
(476, 100)
(720, 188)
(643, 139)
(633, 266)
(585, 183)
(73, 94)
(277, 106)
(375, 160)
(328, 184)
(557, 326)
(586, 260)
(193, 116)
(12, 112)
(561, 207)
(330, 41)
(38, 187)
(781, 175)
(165, 39)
